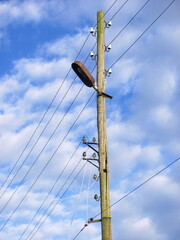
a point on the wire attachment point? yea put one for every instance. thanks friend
(108, 72)
(93, 56)
(93, 31)
(108, 24)
(108, 48)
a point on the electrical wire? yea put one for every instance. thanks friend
(87, 197)
(34, 131)
(130, 21)
(111, 6)
(111, 67)
(43, 116)
(53, 185)
(50, 191)
(75, 200)
(107, 11)
(48, 161)
(112, 17)
(54, 198)
(80, 193)
(140, 185)
(142, 34)
(132, 191)
(119, 10)
(7, 202)
(45, 113)
(51, 203)
(55, 204)
(43, 119)
(45, 127)
(85, 225)
(42, 131)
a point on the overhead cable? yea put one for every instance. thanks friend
(53, 199)
(41, 133)
(142, 34)
(132, 191)
(29, 170)
(43, 130)
(80, 191)
(46, 163)
(85, 225)
(45, 113)
(130, 21)
(50, 191)
(119, 9)
(43, 119)
(56, 202)
(140, 185)
(27, 144)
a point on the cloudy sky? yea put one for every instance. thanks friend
(47, 190)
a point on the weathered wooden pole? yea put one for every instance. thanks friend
(102, 136)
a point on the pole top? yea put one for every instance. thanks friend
(100, 11)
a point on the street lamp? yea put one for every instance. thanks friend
(83, 73)
(86, 77)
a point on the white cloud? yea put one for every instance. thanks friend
(143, 127)
(40, 69)
(22, 12)
(67, 46)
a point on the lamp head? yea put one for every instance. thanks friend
(83, 73)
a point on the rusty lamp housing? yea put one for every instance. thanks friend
(83, 73)
(86, 77)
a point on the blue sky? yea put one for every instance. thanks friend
(38, 42)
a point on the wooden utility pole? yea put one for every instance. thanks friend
(102, 136)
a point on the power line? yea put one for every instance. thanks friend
(142, 34)
(55, 204)
(111, 7)
(95, 26)
(85, 225)
(54, 198)
(119, 9)
(132, 191)
(108, 10)
(118, 200)
(80, 191)
(143, 183)
(50, 191)
(40, 154)
(42, 150)
(111, 67)
(45, 113)
(48, 161)
(112, 17)
(43, 119)
(38, 139)
(41, 133)
(130, 21)
(34, 132)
